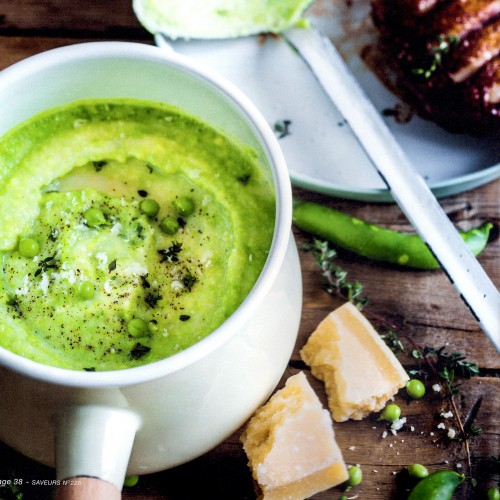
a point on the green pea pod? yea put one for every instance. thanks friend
(375, 242)
(439, 485)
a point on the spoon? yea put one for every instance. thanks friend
(407, 187)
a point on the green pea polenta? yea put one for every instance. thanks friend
(128, 231)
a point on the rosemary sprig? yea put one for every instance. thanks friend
(443, 47)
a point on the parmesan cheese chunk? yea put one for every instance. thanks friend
(359, 371)
(290, 444)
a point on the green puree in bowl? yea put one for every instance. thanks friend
(129, 230)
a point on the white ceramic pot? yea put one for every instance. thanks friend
(149, 418)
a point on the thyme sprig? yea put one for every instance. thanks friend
(437, 52)
(335, 280)
(336, 284)
(446, 367)
(433, 362)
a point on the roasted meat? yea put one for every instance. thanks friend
(446, 54)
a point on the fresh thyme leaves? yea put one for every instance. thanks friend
(138, 351)
(447, 368)
(46, 264)
(437, 51)
(334, 277)
(171, 254)
(112, 265)
(282, 128)
(390, 337)
(446, 365)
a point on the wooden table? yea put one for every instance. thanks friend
(423, 305)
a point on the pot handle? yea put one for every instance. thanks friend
(93, 446)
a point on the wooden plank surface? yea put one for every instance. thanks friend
(424, 306)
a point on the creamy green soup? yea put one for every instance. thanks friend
(128, 232)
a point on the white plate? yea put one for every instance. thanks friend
(321, 152)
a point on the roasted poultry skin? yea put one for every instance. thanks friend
(447, 57)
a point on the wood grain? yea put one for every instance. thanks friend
(424, 306)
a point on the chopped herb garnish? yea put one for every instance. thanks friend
(46, 264)
(142, 193)
(138, 351)
(184, 317)
(188, 281)
(53, 234)
(282, 128)
(171, 254)
(244, 179)
(91, 369)
(443, 46)
(150, 168)
(112, 265)
(152, 298)
(98, 165)
(12, 302)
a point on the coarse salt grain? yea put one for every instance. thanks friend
(441, 426)
(436, 388)
(451, 433)
(448, 414)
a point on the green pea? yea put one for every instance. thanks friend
(149, 207)
(94, 217)
(493, 494)
(375, 242)
(28, 247)
(169, 225)
(417, 471)
(137, 328)
(355, 475)
(415, 388)
(86, 290)
(184, 206)
(390, 413)
(130, 481)
(439, 485)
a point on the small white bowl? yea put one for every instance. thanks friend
(159, 415)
